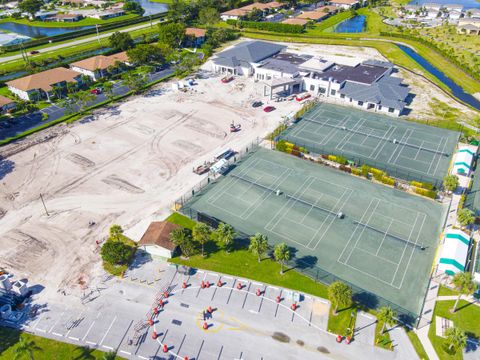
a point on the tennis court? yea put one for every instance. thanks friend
(404, 149)
(379, 239)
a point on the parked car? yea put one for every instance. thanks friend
(268, 109)
(34, 52)
(227, 79)
(96, 91)
(301, 97)
(257, 104)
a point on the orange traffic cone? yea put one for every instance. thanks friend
(165, 294)
(278, 299)
(258, 292)
(205, 326)
(239, 286)
(154, 335)
(165, 348)
(219, 283)
(184, 285)
(203, 285)
(207, 284)
(150, 322)
(294, 306)
(210, 310)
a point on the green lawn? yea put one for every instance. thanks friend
(327, 24)
(84, 22)
(342, 323)
(382, 340)
(49, 349)
(445, 291)
(467, 318)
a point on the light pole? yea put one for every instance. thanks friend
(43, 202)
(352, 315)
(98, 35)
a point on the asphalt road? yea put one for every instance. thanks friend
(77, 42)
(29, 121)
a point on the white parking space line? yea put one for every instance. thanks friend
(90, 328)
(125, 352)
(105, 335)
(56, 322)
(74, 338)
(91, 343)
(55, 333)
(107, 347)
(41, 330)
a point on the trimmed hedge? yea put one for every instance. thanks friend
(425, 192)
(387, 180)
(267, 26)
(422, 185)
(338, 159)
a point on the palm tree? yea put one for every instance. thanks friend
(111, 355)
(115, 231)
(225, 233)
(281, 254)
(386, 316)
(108, 90)
(456, 339)
(25, 348)
(339, 294)
(183, 239)
(82, 98)
(201, 234)
(258, 245)
(464, 285)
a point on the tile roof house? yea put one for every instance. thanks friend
(237, 14)
(97, 67)
(346, 4)
(43, 84)
(295, 21)
(195, 36)
(313, 15)
(6, 104)
(156, 240)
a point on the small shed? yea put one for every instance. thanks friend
(156, 240)
(462, 161)
(455, 252)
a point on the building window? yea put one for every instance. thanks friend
(322, 90)
(391, 110)
(312, 87)
(342, 96)
(379, 107)
(360, 103)
(333, 92)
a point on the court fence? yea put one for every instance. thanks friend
(391, 170)
(361, 296)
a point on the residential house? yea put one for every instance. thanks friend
(314, 15)
(432, 10)
(453, 7)
(234, 14)
(43, 84)
(98, 67)
(238, 14)
(156, 240)
(242, 58)
(64, 18)
(346, 4)
(42, 15)
(108, 14)
(6, 104)
(295, 21)
(473, 13)
(454, 14)
(468, 26)
(195, 37)
(78, 3)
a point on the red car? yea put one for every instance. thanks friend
(302, 97)
(227, 79)
(96, 91)
(268, 109)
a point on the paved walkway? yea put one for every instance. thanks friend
(80, 41)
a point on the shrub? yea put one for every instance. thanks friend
(421, 185)
(388, 180)
(267, 26)
(296, 153)
(116, 252)
(324, 156)
(365, 170)
(281, 146)
(425, 192)
(356, 171)
(376, 172)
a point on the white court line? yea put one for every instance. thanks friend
(384, 142)
(400, 148)
(384, 236)
(376, 256)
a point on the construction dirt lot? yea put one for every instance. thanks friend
(125, 165)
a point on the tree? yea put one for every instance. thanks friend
(208, 16)
(116, 252)
(85, 80)
(82, 99)
(339, 294)
(456, 339)
(183, 239)
(465, 217)
(146, 54)
(201, 234)
(71, 87)
(135, 82)
(111, 355)
(450, 182)
(281, 253)
(108, 90)
(121, 41)
(25, 348)
(30, 7)
(134, 7)
(225, 234)
(464, 285)
(186, 64)
(258, 245)
(386, 316)
(171, 34)
(115, 232)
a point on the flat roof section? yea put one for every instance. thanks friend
(364, 74)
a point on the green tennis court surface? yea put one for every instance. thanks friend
(383, 242)
(404, 149)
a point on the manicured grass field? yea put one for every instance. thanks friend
(382, 340)
(445, 291)
(49, 349)
(417, 344)
(84, 22)
(467, 318)
(342, 323)
(329, 23)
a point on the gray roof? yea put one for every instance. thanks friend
(385, 64)
(364, 74)
(251, 51)
(229, 62)
(388, 91)
(280, 66)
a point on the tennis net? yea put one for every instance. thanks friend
(382, 138)
(398, 238)
(288, 196)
